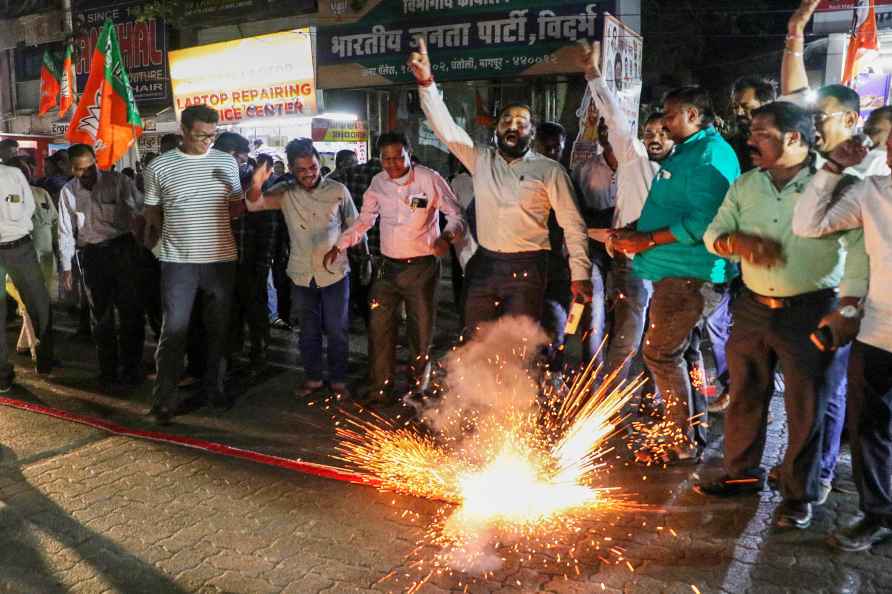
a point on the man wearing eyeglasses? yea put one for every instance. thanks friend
(187, 198)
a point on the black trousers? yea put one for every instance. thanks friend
(112, 279)
(870, 428)
(249, 307)
(760, 339)
(500, 284)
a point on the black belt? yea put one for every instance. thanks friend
(784, 302)
(108, 242)
(417, 260)
(513, 256)
(15, 243)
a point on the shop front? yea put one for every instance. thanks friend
(484, 55)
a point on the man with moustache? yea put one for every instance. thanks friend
(689, 282)
(637, 163)
(515, 189)
(790, 285)
(748, 93)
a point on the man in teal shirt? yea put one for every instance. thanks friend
(790, 285)
(689, 282)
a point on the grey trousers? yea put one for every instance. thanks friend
(20, 263)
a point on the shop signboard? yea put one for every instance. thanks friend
(467, 39)
(268, 76)
(143, 45)
(216, 12)
(326, 130)
(874, 91)
(621, 56)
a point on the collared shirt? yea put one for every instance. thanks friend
(194, 192)
(16, 204)
(635, 171)
(868, 205)
(97, 215)
(358, 179)
(685, 197)
(315, 220)
(755, 206)
(410, 209)
(463, 186)
(512, 200)
(45, 221)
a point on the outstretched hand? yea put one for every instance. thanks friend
(800, 18)
(262, 173)
(419, 63)
(590, 59)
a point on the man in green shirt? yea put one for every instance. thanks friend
(689, 282)
(790, 285)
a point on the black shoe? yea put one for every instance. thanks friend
(160, 415)
(727, 486)
(794, 514)
(861, 535)
(5, 385)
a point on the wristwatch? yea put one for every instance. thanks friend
(849, 312)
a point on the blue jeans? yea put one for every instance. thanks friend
(835, 417)
(628, 296)
(272, 298)
(323, 310)
(718, 328)
(179, 285)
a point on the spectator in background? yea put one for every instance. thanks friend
(193, 188)
(97, 212)
(748, 93)
(9, 148)
(345, 159)
(129, 172)
(278, 171)
(170, 142)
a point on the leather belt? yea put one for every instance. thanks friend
(416, 260)
(784, 302)
(15, 243)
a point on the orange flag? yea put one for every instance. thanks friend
(106, 116)
(49, 84)
(864, 44)
(69, 82)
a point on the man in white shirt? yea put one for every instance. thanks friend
(18, 259)
(193, 187)
(637, 163)
(316, 212)
(515, 189)
(408, 199)
(97, 213)
(823, 210)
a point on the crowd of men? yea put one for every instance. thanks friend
(772, 242)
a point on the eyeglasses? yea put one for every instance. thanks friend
(821, 117)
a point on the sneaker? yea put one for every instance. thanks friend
(861, 535)
(280, 324)
(824, 488)
(794, 514)
(727, 486)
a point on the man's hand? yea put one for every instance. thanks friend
(631, 242)
(441, 246)
(67, 282)
(844, 329)
(796, 24)
(582, 290)
(849, 153)
(419, 64)
(590, 59)
(261, 175)
(330, 257)
(759, 251)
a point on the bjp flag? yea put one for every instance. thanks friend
(864, 44)
(107, 117)
(68, 90)
(49, 84)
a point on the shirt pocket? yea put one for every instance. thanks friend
(533, 197)
(14, 207)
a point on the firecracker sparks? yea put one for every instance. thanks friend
(517, 476)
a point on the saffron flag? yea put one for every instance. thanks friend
(864, 44)
(49, 84)
(69, 82)
(107, 117)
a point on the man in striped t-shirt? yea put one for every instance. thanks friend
(191, 189)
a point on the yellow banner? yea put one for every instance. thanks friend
(259, 77)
